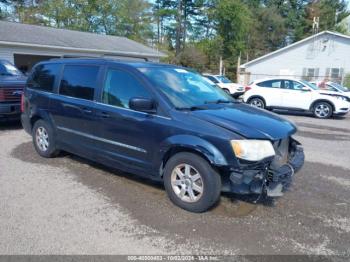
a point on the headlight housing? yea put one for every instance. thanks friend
(252, 150)
(341, 98)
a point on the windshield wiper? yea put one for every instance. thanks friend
(192, 108)
(220, 101)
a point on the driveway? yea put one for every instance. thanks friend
(68, 205)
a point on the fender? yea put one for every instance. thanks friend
(321, 100)
(40, 114)
(203, 147)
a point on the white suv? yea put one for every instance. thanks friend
(226, 84)
(291, 94)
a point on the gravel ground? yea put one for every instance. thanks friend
(68, 205)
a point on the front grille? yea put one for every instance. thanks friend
(10, 94)
(282, 151)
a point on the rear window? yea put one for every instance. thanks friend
(79, 81)
(44, 77)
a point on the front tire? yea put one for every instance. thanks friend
(191, 183)
(323, 110)
(43, 139)
(227, 91)
(257, 102)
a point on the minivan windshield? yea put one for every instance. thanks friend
(185, 89)
(7, 69)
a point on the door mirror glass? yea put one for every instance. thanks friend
(143, 105)
(305, 89)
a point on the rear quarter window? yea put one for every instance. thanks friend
(44, 77)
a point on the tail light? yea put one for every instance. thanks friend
(247, 88)
(2, 95)
(22, 102)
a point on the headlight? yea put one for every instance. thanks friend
(341, 98)
(252, 150)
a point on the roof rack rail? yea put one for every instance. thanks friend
(107, 55)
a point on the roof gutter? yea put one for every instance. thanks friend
(75, 49)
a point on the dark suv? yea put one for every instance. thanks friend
(162, 122)
(12, 82)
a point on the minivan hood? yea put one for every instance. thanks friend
(249, 122)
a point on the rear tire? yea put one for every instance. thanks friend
(323, 110)
(257, 102)
(44, 140)
(191, 183)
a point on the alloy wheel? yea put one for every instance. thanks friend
(322, 110)
(42, 139)
(257, 103)
(187, 183)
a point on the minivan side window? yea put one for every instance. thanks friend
(44, 76)
(120, 87)
(79, 81)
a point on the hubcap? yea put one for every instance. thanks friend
(257, 103)
(187, 183)
(322, 110)
(42, 139)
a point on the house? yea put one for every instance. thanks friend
(322, 56)
(25, 45)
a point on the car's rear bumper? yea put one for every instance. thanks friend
(237, 94)
(10, 111)
(264, 179)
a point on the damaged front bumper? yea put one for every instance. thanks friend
(268, 177)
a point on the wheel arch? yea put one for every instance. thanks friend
(190, 144)
(39, 115)
(256, 96)
(322, 100)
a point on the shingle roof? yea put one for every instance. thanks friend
(68, 39)
(293, 45)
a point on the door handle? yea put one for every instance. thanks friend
(103, 115)
(87, 111)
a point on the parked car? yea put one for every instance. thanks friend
(332, 86)
(12, 82)
(291, 94)
(236, 90)
(162, 122)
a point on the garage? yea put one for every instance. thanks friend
(25, 45)
(25, 62)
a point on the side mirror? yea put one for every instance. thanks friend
(305, 89)
(145, 105)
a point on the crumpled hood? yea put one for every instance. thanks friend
(249, 122)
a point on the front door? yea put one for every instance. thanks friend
(294, 96)
(127, 138)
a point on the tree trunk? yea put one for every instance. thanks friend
(178, 27)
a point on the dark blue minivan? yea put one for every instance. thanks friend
(162, 122)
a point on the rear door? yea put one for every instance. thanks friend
(73, 108)
(271, 91)
(294, 96)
